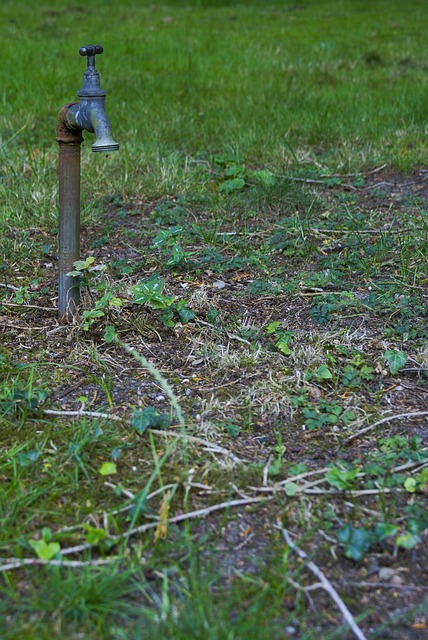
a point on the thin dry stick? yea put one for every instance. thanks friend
(353, 175)
(307, 488)
(80, 412)
(16, 563)
(211, 446)
(281, 484)
(415, 414)
(27, 306)
(300, 476)
(326, 584)
(384, 585)
(344, 185)
(151, 495)
(10, 325)
(352, 492)
(200, 513)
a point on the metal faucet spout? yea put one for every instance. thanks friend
(101, 126)
(89, 114)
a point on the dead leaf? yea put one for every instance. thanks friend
(419, 625)
(162, 528)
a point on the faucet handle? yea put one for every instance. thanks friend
(91, 50)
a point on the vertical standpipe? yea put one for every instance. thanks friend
(69, 142)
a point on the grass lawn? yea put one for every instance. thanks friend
(240, 411)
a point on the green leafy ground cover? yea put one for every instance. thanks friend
(249, 369)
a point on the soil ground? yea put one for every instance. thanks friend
(387, 583)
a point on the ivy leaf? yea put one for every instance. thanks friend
(150, 291)
(385, 529)
(228, 186)
(396, 359)
(81, 265)
(323, 373)
(212, 315)
(150, 417)
(28, 458)
(94, 535)
(185, 314)
(275, 467)
(141, 421)
(356, 541)
(232, 429)
(272, 327)
(108, 469)
(45, 550)
(341, 478)
(347, 417)
(408, 540)
(410, 485)
(283, 347)
(291, 488)
(282, 342)
(109, 334)
(263, 177)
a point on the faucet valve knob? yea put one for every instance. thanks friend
(91, 50)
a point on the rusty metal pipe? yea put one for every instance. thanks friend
(69, 141)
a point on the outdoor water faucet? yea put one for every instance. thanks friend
(90, 113)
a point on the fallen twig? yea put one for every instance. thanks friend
(200, 513)
(353, 175)
(300, 476)
(325, 584)
(308, 490)
(210, 446)
(344, 185)
(378, 184)
(8, 286)
(17, 563)
(27, 306)
(384, 585)
(353, 492)
(10, 325)
(415, 414)
(131, 496)
(308, 487)
(81, 412)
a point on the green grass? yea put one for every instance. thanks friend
(198, 77)
(290, 314)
